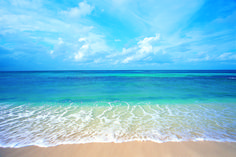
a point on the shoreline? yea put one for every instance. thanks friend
(127, 149)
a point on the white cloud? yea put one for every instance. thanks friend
(141, 50)
(129, 50)
(96, 43)
(206, 58)
(60, 41)
(26, 3)
(82, 39)
(128, 59)
(224, 56)
(84, 47)
(79, 56)
(77, 40)
(83, 9)
(145, 45)
(81, 53)
(227, 56)
(92, 45)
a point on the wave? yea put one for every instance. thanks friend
(54, 124)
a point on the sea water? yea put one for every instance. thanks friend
(49, 108)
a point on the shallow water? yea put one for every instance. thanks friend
(51, 108)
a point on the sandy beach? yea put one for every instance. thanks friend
(128, 149)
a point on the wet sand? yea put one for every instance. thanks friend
(128, 149)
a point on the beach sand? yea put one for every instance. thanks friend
(127, 149)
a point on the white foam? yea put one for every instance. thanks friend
(26, 125)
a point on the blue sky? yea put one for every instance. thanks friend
(117, 34)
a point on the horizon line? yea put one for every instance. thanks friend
(121, 70)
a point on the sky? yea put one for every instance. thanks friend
(117, 34)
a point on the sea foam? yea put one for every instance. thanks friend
(53, 124)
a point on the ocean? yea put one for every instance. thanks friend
(48, 108)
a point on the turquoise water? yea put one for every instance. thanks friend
(59, 107)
